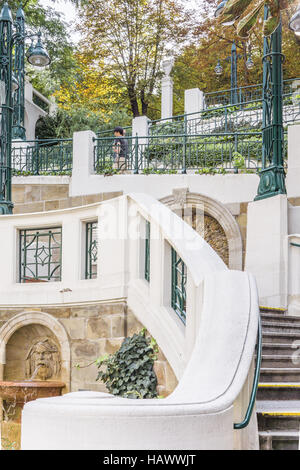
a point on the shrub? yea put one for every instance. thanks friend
(129, 371)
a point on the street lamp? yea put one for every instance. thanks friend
(272, 174)
(11, 82)
(218, 68)
(36, 55)
(249, 63)
(233, 75)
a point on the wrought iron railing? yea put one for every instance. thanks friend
(182, 152)
(224, 119)
(248, 93)
(91, 250)
(147, 252)
(42, 157)
(110, 132)
(40, 255)
(178, 286)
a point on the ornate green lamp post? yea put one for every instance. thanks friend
(9, 85)
(272, 175)
(233, 76)
(18, 130)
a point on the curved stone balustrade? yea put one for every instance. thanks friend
(212, 355)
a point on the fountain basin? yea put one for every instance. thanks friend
(23, 391)
(14, 395)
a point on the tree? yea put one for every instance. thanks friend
(56, 39)
(194, 67)
(127, 40)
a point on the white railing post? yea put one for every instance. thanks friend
(193, 105)
(83, 161)
(167, 89)
(267, 228)
(140, 127)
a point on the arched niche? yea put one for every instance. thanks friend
(212, 220)
(36, 324)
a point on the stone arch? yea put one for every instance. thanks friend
(40, 318)
(182, 198)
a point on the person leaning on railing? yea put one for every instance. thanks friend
(120, 149)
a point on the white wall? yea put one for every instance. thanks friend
(214, 371)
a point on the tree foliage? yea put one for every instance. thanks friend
(127, 40)
(56, 40)
(195, 66)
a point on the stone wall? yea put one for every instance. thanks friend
(28, 198)
(241, 219)
(93, 330)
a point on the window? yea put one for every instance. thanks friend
(40, 255)
(178, 290)
(91, 255)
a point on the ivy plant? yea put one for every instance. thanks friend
(129, 371)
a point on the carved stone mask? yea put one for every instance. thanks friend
(43, 360)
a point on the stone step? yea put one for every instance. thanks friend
(278, 440)
(286, 361)
(280, 318)
(278, 391)
(284, 327)
(278, 415)
(275, 311)
(279, 374)
(277, 348)
(280, 337)
(278, 422)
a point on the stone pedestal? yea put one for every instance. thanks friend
(166, 97)
(266, 254)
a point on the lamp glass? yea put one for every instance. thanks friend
(37, 55)
(219, 69)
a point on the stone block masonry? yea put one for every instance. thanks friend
(93, 330)
(29, 198)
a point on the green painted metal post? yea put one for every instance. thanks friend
(233, 97)
(36, 157)
(18, 131)
(184, 147)
(6, 22)
(136, 155)
(272, 175)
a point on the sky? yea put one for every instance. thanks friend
(69, 11)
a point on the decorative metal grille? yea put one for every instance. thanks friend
(147, 252)
(40, 255)
(42, 157)
(91, 256)
(179, 276)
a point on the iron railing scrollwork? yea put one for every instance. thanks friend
(40, 255)
(178, 285)
(91, 252)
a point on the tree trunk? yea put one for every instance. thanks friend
(134, 107)
(133, 101)
(144, 103)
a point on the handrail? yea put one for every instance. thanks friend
(295, 244)
(249, 411)
(246, 87)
